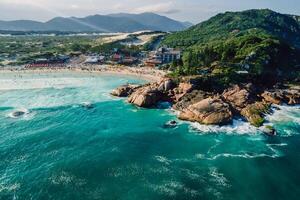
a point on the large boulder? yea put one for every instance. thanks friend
(237, 97)
(146, 97)
(124, 90)
(182, 89)
(190, 98)
(166, 85)
(208, 111)
(254, 113)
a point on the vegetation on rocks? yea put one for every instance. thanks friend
(254, 113)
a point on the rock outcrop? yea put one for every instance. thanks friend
(273, 97)
(182, 90)
(149, 95)
(190, 98)
(145, 97)
(237, 97)
(197, 103)
(281, 96)
(293, 97)
(208, 111)
(254, 113)
(124, 90)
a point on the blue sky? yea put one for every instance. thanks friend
(184, 10)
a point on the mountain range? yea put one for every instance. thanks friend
(121, 22)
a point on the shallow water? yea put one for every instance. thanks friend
(60, 149)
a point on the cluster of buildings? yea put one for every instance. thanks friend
(160, 57)
(60, 60)
(156, 58)
(116, 58)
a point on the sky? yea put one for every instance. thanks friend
(194, 11)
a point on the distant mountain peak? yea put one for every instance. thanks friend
(119, 22)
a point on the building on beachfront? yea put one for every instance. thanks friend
(163, 56)
(116, 58)
(129, 60)
(55, 61)
(94, 59)
(122, 59)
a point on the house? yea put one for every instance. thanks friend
(94, 59)
(116, 58)
(129, 60)
(162, 56)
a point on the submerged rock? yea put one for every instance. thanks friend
(18, 113)
(87, 105)
(268, 130)
(254, 113)
(171, 124)
(208, 111)
(124, 90)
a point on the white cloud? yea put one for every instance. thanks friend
(75, 6)
(167, 7)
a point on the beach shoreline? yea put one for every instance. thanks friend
(146, 73)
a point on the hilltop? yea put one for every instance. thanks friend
(234, 24)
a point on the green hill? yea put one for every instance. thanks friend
(233, 24)
(262, 42)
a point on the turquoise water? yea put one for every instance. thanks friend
(62, 150)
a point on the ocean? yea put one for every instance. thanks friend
(62, 149)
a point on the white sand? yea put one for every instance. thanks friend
(149, 74)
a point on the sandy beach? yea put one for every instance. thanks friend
(149, 74)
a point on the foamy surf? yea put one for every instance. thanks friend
(39, 83)
(280, 114)
(275, 154)
(237, 127)
(284, 114)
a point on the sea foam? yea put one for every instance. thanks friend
(237, 127)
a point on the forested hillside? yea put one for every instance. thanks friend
(261, 42)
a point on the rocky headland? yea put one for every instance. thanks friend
(196, 103)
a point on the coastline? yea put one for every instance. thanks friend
(148, 74)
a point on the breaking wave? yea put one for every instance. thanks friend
(237, 127)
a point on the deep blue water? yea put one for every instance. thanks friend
(62, 150)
